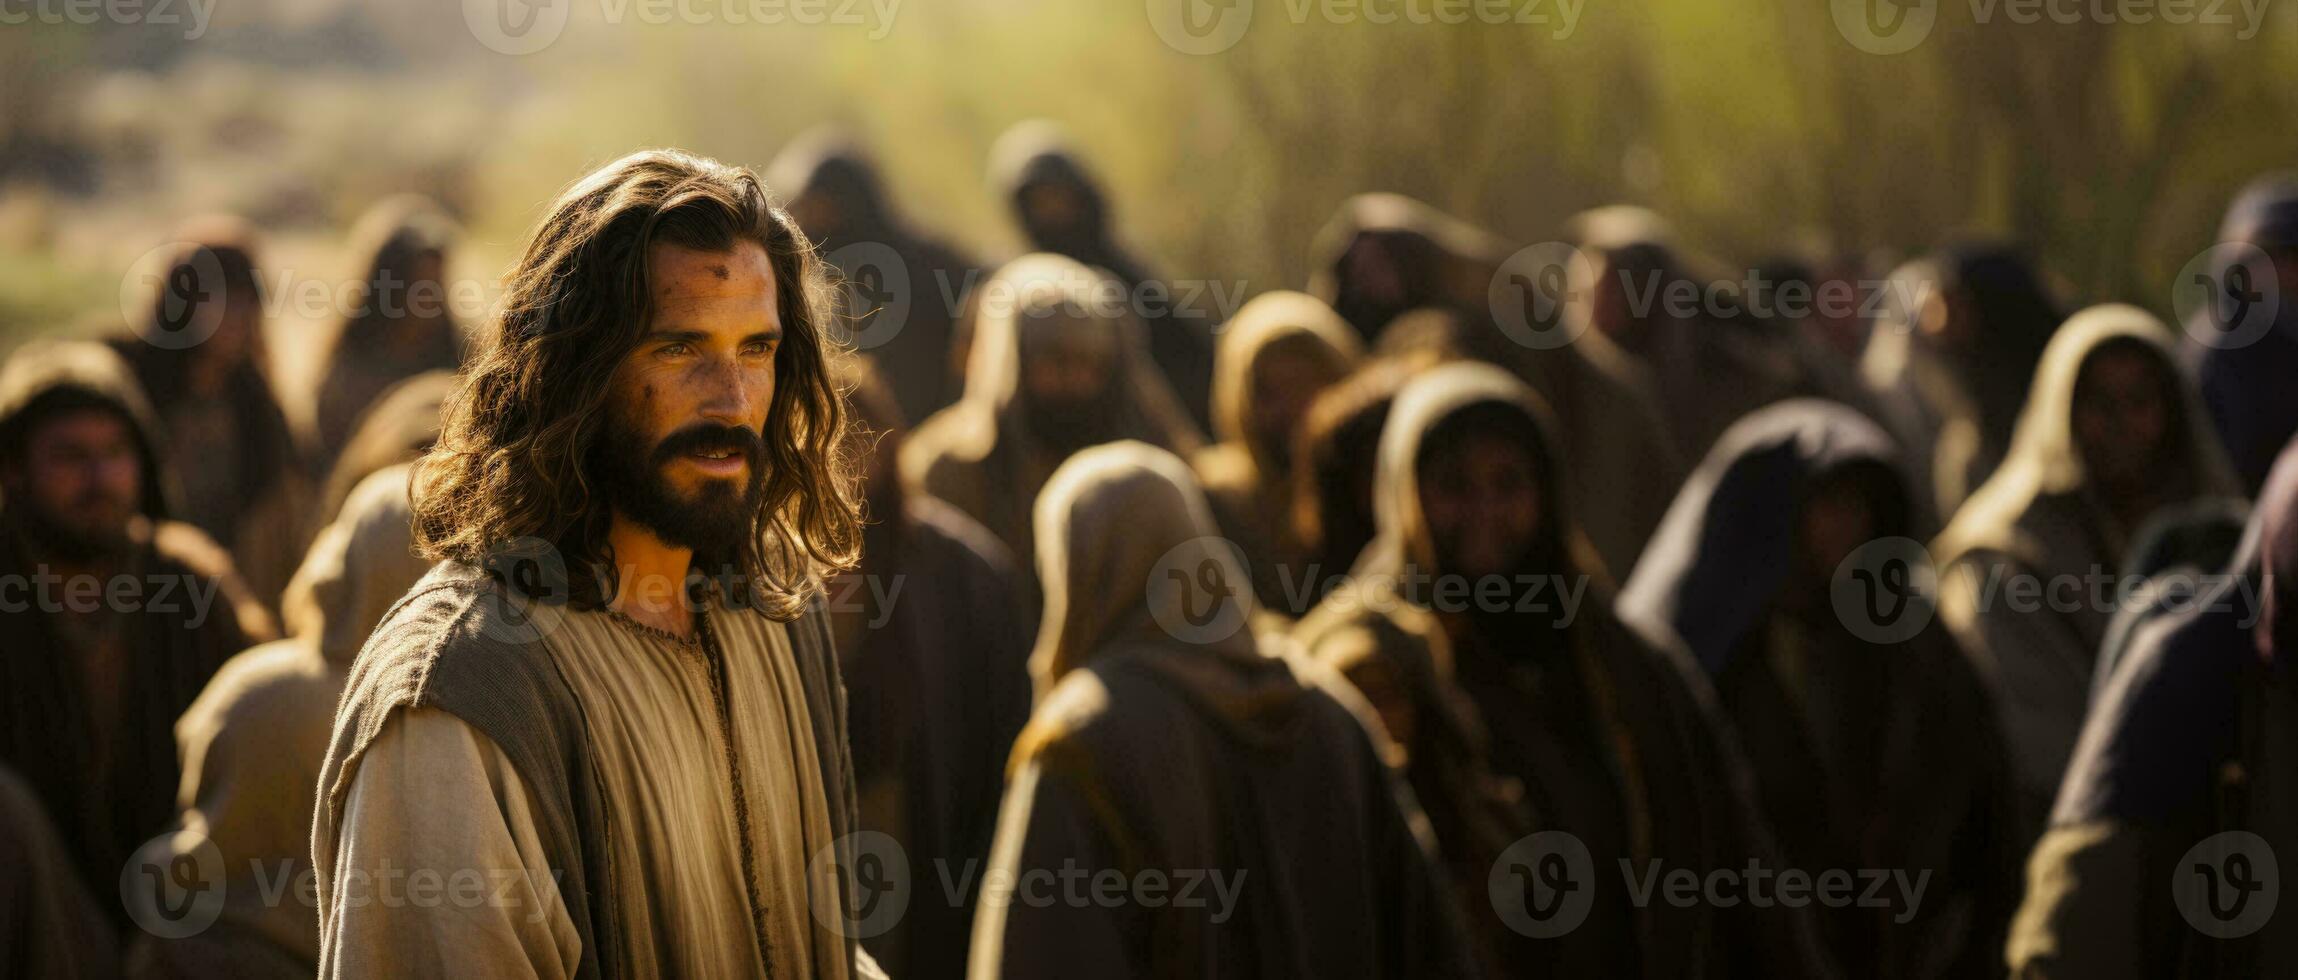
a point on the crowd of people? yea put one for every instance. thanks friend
(1396, 625)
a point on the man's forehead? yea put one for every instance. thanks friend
(677, 272)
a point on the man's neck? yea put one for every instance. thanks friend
(650, 581)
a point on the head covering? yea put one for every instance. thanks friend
(359, 565)
(2246, 388)
(94, 373)
(361, 361)
(1727, 545)
(1282, 320)
(827, 163)
(1106, 521)
(2044, 459)
(398, 428)
(1038, 152)
(1384, 254)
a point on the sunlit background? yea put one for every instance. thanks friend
(1756, 127)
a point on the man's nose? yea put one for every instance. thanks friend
(726, 395)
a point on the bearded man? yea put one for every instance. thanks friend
(606, 735)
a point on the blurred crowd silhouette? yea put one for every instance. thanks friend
(1454, 599)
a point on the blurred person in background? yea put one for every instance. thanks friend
(399, 428)
(1643, 295)
(615, 693)
(232, 453)
(1054, 369)
(2194, 735)
(2111, 434)
(933, 639)
(1276, 355)
(399, 318)
(1866, 754)
(1385, 255)
(836, 194)
(49, 926)
(1605, 734)
(1061, 208)
(2247, 386)
(1332, 498)
(114, 616)
(1169, 740)
(1951, 361)
(253, 741)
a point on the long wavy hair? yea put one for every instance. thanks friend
(509, 468)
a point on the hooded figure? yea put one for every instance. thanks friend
(1606, 736)
(1062, 209)
(1385, 255)
(91, 682)
(2195, 735)
(236, 462)
(2111, 434)
(1949, 364)
(933, 638)
(1276, 354)
(1706, 370)
(2247, 387)
(399, 428)
(399, 321)
(1333, 462)
(1866, 754)
(1054, 368)
(253, 742)
(49, 927)
(1169, 743)
(904, 286)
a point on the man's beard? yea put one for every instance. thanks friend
(68, 543)
(1066, 425)
(715, 518)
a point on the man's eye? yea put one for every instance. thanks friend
(758, 348)
(674, 350)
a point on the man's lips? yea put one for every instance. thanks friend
(717, 462)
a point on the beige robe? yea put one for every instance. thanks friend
(432, 794)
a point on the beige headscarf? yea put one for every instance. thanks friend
(1279, 321)
(2044, 460)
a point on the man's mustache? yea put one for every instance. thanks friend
(710, 436)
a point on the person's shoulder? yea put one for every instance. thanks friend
(948, 530)
(457, 624)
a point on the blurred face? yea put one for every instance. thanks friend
(1066, 373)
(2122, 416)
(81, 479)
(1836, 521)
(1481, 500)
(1284, 382)
(689, 404)
(1053, 209)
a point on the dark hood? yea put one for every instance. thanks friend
(1036, 153)
(93, 369)
(829, 165)
(2171, 713)
(1384, 254)
(1726, 547)
(2245, 388)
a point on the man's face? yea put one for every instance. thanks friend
(1285, 380)
(1053, 209)
(1065, 378)
(1482, 502)
(81, 478)
(2122, 416)
(689, 404)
